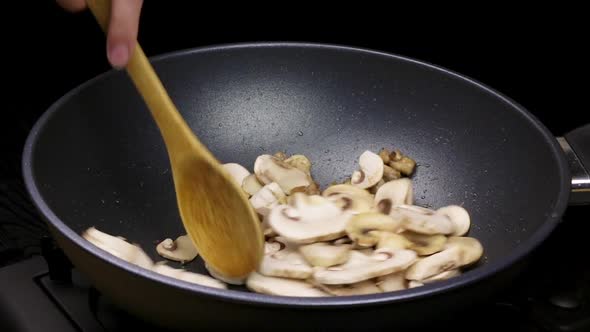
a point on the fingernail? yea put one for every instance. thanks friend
(118, 55)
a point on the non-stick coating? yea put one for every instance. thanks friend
(98, 158)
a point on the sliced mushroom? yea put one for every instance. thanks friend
(282, 286)
(424, 244)
(324, 254)
(360, 288)
(268, 197)
(422, 220)
(373, 189)
(393, 241)
(459, 217)
(300, 162)
(266, 229)
(458, 252)
(308, 219)
(287, 263)
(195, 278)
(237, 172)
(361, 267)
(350, 198)
(118, 247)
(402, 163)
(251, 185)
(394, 193)
(181, 250)
(384, 154)
(392, 282)
(442, 276)
(371, 170)
(390, 174)
(269, 169)
(280, 155)
(362, 227)
(273, 245)
(414, 284)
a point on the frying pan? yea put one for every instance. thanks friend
(96, 158)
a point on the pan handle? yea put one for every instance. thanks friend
(576, 145)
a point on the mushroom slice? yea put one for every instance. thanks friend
(458, 252)
(181, 250)
(394, 193)
(458, 216)
(402, 163)
(324, 254)
(269, 169)
(392, 282)
(300, 162)
(361, 267)
(287, 263)
(308, 219)
(390, 174)
(360, 288)
(422, 220)
(442, 276)
(251, 185)
(424, 244)
(384, 154)
(282, 286)
(371, 171)
(373, 189)
(195, 278)
(118, 247)
(268, 197)
(273, 245)
(237, 172)
(362, 227)
(414, 284)
(393, 241)
(349, 198)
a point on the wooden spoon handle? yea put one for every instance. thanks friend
(147, 82)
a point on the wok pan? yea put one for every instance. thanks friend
(96, 158)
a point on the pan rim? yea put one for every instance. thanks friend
(471, 277)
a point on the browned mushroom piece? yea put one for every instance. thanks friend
(404, 164)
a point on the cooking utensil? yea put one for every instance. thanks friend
(85, 166)
(229, 239)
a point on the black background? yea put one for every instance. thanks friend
(534, 55)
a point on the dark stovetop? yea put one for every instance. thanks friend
(43, 293)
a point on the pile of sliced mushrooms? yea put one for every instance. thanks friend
(363, 236)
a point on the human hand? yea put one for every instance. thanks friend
(122, 31)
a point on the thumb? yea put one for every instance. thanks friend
(122, 31)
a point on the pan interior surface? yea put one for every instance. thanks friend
(97, 158)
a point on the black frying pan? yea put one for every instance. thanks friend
(96, 158)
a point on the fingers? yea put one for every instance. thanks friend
(72, 5)
(122, 32)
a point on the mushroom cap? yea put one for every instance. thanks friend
(287, 263)
(392, 282)
(422, 220)
(183, 249)
(325, 254)
(361, 267)
(118, 247)
(394, 193)
(282, 286)
(350, 198)
(371, 170)
(308, 219)
(459, 217)
(472, 249)
(237, 172)
(268, 197)
(362, 228)
(271, 169)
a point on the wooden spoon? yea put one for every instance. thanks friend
(214, 210)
